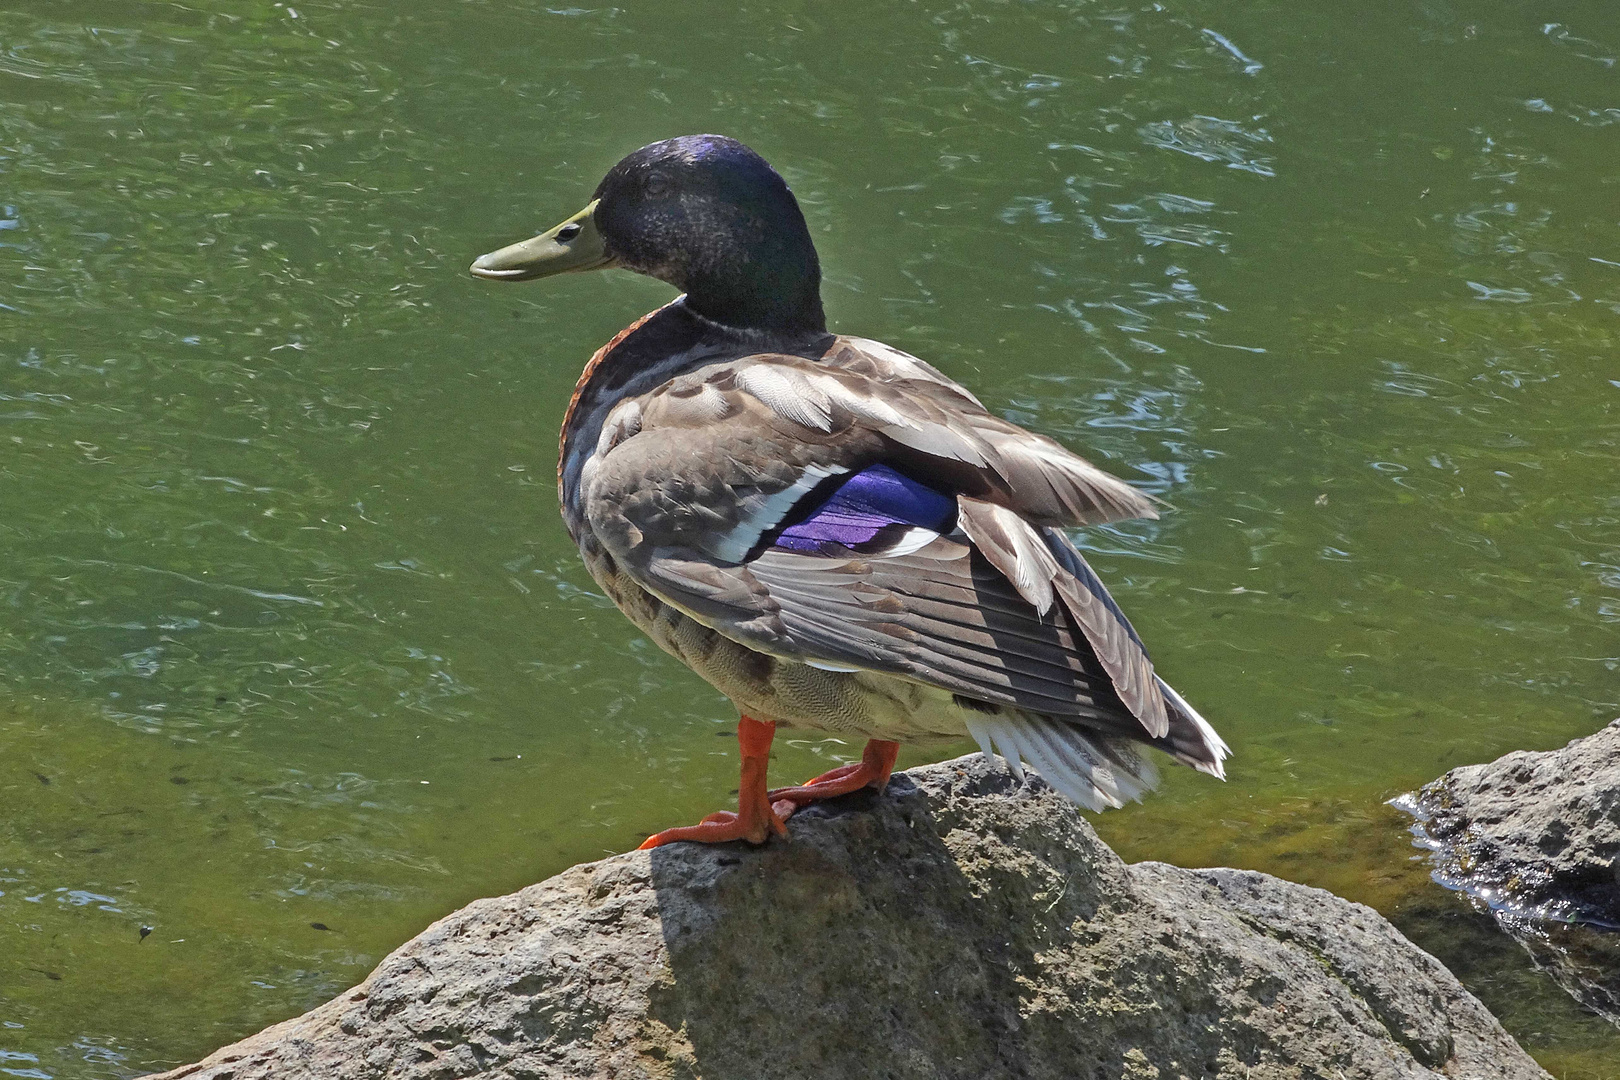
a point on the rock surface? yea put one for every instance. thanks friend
(961, 926)
(1535, 838)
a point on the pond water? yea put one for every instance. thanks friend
(297, 656)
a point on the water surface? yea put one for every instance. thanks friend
(297, 656)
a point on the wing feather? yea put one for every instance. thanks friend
(999, 608)
(1044, 563)
(876, 613)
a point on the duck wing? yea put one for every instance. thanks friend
(863, 512)
(932, 424)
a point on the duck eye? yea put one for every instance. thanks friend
(657, 184)
(568, 232)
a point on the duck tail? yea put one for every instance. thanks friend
(1095, 770)
(1098, 771)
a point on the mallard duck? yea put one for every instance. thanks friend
(831, 532)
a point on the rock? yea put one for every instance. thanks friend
(963, 925)
(1533, 837)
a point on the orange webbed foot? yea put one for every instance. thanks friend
(873, 770)
(721, 826)
(756, 818)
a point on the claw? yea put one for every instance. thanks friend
(757, 816)
(877, 762)
(718, 828)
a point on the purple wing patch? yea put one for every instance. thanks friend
(875, 504)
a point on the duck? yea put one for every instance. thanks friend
(827, 529)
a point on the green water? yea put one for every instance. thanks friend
(297, 657)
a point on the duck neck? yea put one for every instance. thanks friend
(771, 286)
(780, 328)
(775, 307)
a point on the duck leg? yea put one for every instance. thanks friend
(754, 820)
(877, 762)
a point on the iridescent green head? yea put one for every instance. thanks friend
(702, 212)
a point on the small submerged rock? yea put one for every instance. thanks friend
(1535, 838)
(961, 926)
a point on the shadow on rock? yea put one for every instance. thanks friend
(860, 946)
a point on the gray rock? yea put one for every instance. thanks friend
(1534, 838)
(961, 926)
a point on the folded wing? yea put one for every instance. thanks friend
(801, 527)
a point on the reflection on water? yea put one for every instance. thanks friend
(293, 638)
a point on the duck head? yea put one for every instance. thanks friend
(705, 214)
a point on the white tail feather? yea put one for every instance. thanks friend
(1122, 772)
(981, 735)
(1009, 751)
(1080, 765)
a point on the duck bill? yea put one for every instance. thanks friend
(573, 246)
